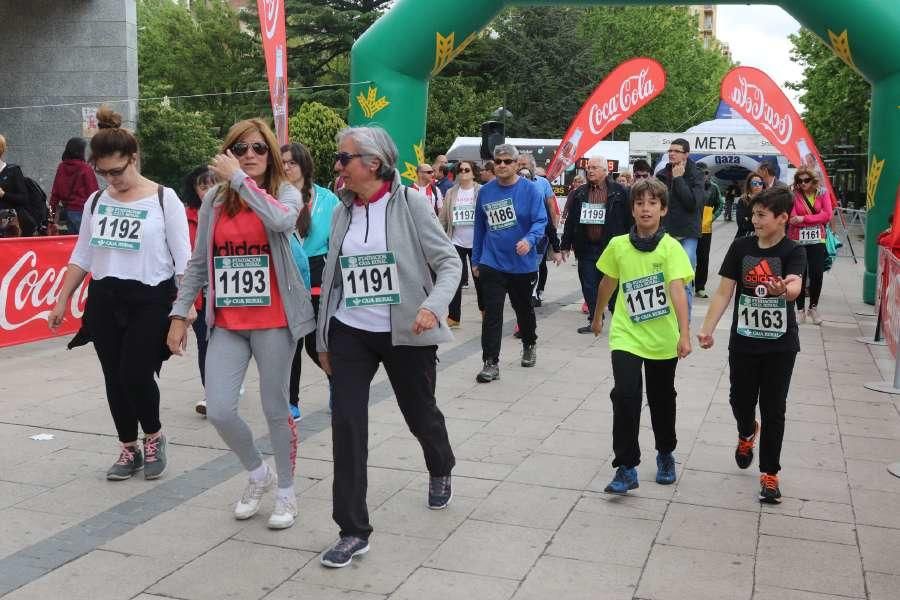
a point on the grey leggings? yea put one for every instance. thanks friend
(227, 358)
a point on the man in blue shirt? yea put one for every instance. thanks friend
(510, 219)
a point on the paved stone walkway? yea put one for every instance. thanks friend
(528, 519)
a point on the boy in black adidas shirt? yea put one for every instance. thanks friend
(764, 340)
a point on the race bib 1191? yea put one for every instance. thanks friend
(370, 279)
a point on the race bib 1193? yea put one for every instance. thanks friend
(242, 281)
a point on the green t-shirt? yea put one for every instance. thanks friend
(644, 322)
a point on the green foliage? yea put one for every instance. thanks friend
(315, 126)
(456, 108)
(173, 142)
(836, 98)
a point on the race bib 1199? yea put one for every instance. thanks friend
(592, 214)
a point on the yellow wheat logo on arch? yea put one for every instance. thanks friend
(370, 103)
(840, 43)
(411, 171)
(446, 50)
(872, 181)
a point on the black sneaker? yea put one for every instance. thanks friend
(130, 462)
(536, 301)
(343, 552)
(585, 329)
(439, 492)
(743, 454)
(769, 492)
(490, 372)
(529, 355)
(154, 457)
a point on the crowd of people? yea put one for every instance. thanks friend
(260, 260)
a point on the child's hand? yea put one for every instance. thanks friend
(684, 346)
(706, 340)
(597, 324)
(776, 286)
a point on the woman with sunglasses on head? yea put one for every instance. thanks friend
(380, 306)
(257, 306)
(753, 185)
(458, 219)
(134, 243)
(813, 209)
(313, 227)
(194, 188)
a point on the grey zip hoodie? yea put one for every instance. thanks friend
(279, 217)
(418, 242)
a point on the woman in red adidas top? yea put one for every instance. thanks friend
(813, 209)
(256, 306)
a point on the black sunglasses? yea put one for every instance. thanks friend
(240, 148)
(504, 161)
(112, 172)
(345, 157)
(465, 170)
(640, 175)
(805, 179)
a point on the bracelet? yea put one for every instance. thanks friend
(177, 318)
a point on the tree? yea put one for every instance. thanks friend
(836, 98)
(174, 141)
(315, 125)
(455, 108)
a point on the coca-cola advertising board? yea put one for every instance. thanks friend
(758, 99)
(271, 22)
(31, 275)
(627, 88)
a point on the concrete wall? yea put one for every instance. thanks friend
(62, 52)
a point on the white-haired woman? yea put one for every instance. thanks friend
(379, 306)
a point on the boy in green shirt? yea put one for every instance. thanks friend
(650, 328)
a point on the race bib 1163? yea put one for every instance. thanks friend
(761, 318)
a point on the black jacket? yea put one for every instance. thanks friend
(743, 216)
(618, 218)
(686, 198)
(13, 183)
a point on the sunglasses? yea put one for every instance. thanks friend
(756, 184)
(112, 172)
(504, 161)
(240, 148)
(345, 157)
(427, 172)
(642, 175)
(465, 170)
(805, 179)
(679, 151)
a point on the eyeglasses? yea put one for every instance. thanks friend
(290, 164)
(677, 150)
(504, 161)
(112, 172)
(640, 175)
(756, 184)
(240, 148)
(805, 179)
(345, 157)
(427, 172)
(465, 170)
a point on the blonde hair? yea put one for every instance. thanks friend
(274, 177)
(2, 145)
(808, 172)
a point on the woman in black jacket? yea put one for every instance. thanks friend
(753, 185)
(13, 192)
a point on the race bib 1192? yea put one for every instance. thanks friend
(117, 227)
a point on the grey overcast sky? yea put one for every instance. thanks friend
(758, 37)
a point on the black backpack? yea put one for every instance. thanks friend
(35, 209)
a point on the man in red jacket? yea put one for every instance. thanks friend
(74, 183)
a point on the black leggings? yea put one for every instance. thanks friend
(454, 311)
(297, 364)
(128, 322)
(542, 273)
(815, 271)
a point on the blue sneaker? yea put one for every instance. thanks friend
(626, 479)
(295, 412)
(665, 468)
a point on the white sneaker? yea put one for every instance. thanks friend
(248, 505)
(200, 407)
(814, 316)
(801, 315)
(284, 514)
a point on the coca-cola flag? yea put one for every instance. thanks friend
(31, 276)
(271, 22)
(758, 99)
(629, 87)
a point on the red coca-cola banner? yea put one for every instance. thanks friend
(758, 99)
(271, 22)
(31, 275)
(629, 87)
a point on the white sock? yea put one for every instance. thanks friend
(259, 473)
(287, 494)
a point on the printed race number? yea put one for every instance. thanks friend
(810, 235)
(370, 279)
(463, 215)
(646, 298)
(500, 214)
(117, 227)
(593, 214)
(761, 318)
(242, 281)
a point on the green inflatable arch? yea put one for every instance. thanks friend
(400, 53)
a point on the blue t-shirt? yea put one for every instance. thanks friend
(544, 186)
(316, 241)
(505, 214)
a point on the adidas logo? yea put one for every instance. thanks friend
(761, 273)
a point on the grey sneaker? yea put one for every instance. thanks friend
(529, 355)
(130, 461)
(343, 552)
(814, 315)
(154, 457)
(490, 372)
(439, 492)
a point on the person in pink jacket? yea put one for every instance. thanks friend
(813, 209)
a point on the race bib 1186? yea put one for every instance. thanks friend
(646, 298)
(117, 227)
(761, 318)
(500, 214)
(370, 279)
(242, 281)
